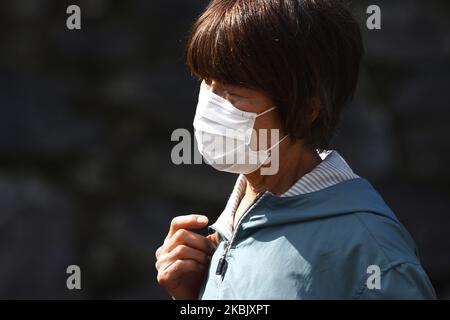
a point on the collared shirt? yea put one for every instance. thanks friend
(332, 170)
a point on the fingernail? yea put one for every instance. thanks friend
(202, 219)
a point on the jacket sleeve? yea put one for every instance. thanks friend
(405, 281)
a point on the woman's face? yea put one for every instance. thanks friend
(250, 100)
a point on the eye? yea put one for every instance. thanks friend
(233, 94)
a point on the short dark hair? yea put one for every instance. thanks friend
(292, 50)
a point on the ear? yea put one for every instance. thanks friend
(314, 110)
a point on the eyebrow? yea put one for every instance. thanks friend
(232, 90)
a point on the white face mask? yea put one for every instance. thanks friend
(223, 134)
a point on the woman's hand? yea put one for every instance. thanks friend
(183, 259)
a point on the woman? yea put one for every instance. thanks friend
(311, 228)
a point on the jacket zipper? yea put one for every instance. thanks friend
(222, 262)
(222, 265)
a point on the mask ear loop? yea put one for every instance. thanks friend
(266, 111)
(269, 151)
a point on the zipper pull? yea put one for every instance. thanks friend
(221, 266)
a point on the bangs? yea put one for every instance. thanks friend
(221, 43)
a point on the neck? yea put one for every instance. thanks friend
(297, 161)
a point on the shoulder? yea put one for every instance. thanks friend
(370, 236)
(362, 245)
(345, 251)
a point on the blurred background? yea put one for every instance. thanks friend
(86, 119)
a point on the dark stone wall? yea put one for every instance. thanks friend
(86, 119)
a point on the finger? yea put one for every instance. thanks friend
(189, 239)
(165, 249)
(169, 276)
(214, 238)
(188, 222)
(158, 252)
(183, 252)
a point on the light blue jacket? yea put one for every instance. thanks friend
(328, 244)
